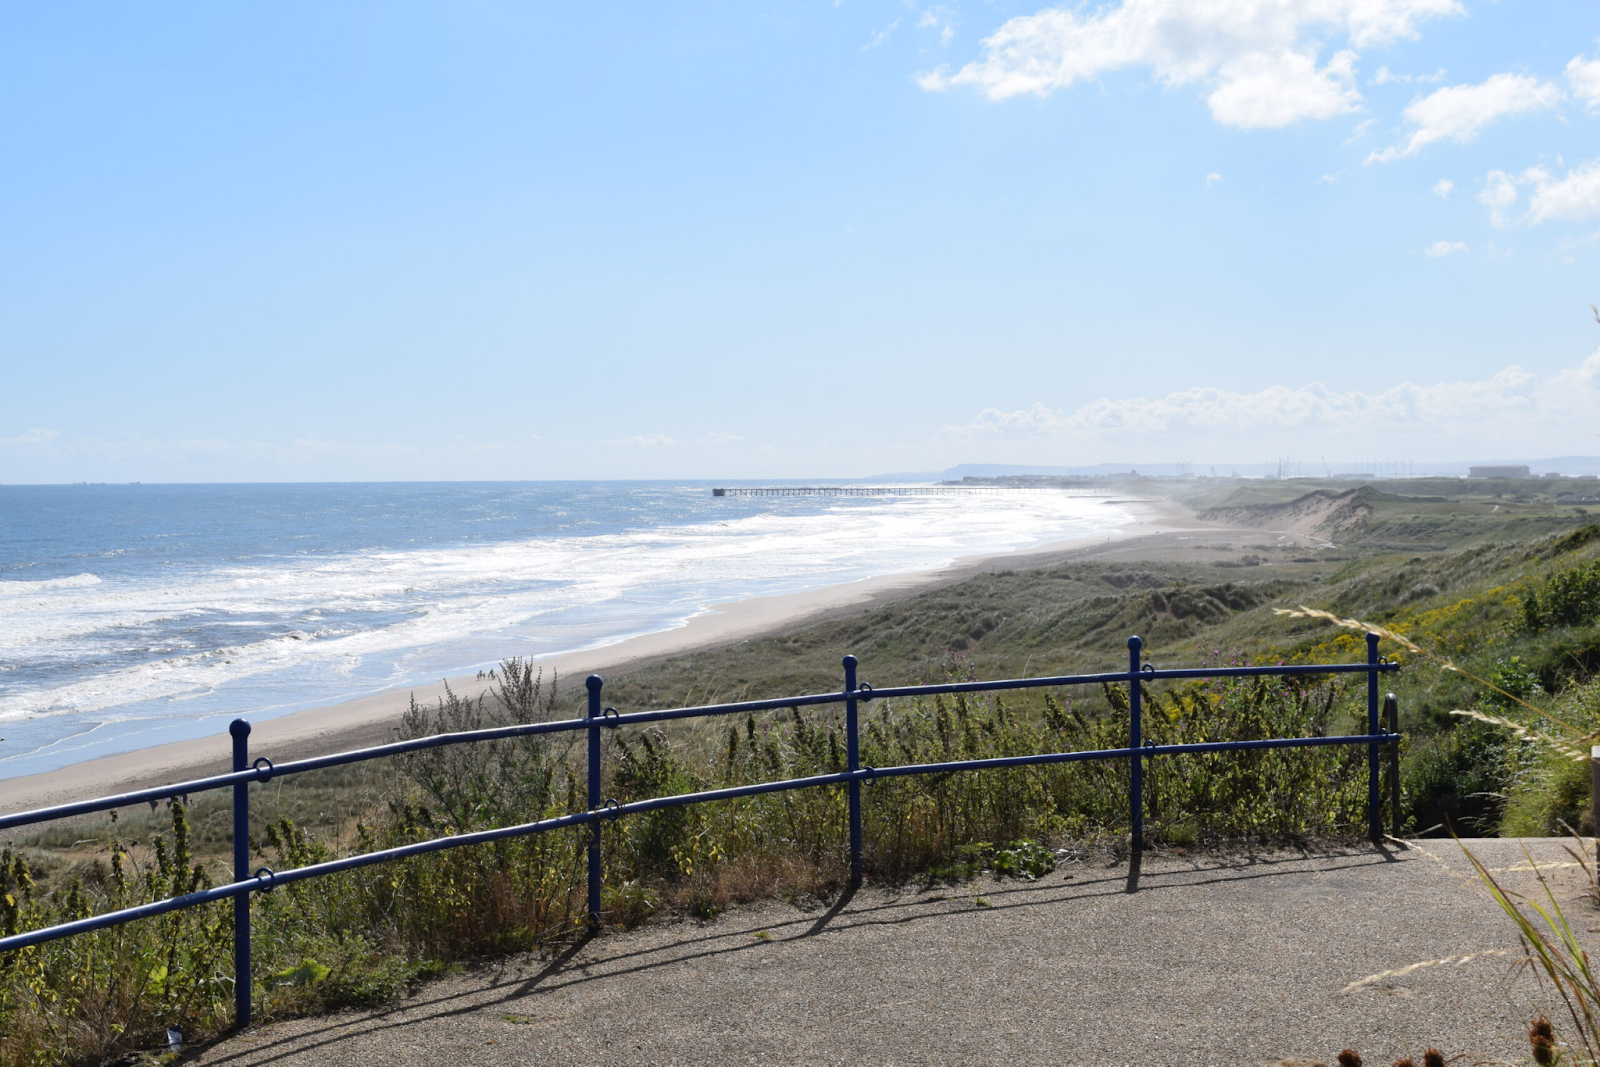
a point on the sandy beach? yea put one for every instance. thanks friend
(371, 719)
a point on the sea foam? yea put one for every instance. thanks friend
(156, 645)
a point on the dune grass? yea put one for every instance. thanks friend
(358, 938)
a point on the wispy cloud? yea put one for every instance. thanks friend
(1443, 187)
(30, 437)
(643, 440)
(880, 36)
(1440, 249)
(1583, 78)
(1261, 63)
(1460, 112)
(661, 440)
(1384, 76)
(1513, 405)
(1360, 131)
(310, 448)
(1571, 197)
(937, 18)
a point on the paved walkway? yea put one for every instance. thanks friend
(1211, 961)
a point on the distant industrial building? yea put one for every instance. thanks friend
(1498, 472)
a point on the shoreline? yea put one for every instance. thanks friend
(371, 719)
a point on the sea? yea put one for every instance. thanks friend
(134, 615)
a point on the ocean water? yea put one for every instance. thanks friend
(133, 615)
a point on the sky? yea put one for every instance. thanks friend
(297, 241)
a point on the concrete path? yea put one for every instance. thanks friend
(1212, 960)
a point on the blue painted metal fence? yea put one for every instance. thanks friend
(600, 718)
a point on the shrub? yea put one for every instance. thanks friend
(1569, 598)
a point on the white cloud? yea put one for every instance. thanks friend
(1583, 76)
(1444, 248)
(1267, 91)
(1259, 59)
(1360, 131)
(643, 440)
(1573, 197)
(880, 36)
(1515, 407)
(937, 19)
(31, 437)
(137, 447)
(1460, 112)
(1499, 195)
(661, 440)
(1212, 179)
(1385, 76)
(1442, 188)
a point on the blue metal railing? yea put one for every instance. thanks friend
(599, 718)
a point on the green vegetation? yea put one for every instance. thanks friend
(359, 937)
(1570, 598)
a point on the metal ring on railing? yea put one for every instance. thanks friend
(872, 774)
(612, 806)
(1148, 668)
(1384, 661)
(268, 875)
(864, 690)
(263, 774)
(612, 717)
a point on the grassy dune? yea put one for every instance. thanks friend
(1456, 575)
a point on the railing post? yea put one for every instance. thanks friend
(593, 682)
(1391, 714)
(241, 870)
(1374, 804)
(852, 749)
(1135, 749)
(1594, 792)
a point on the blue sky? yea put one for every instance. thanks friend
(505, 240)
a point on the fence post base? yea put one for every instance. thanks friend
(593, 683)
(1374, 801)
(240, 731)
(1391, 709)
(852, 745)
(1135, 749)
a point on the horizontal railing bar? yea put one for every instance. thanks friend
(220, 781)
(367, 859)
(773, 704)
(317, 870)
(262, 774)
(124, 800)
(417, 744)
(1124, 753)
(1115, 677)
(232, 889)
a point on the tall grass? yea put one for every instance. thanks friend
(358, 937)
(1551, 950)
